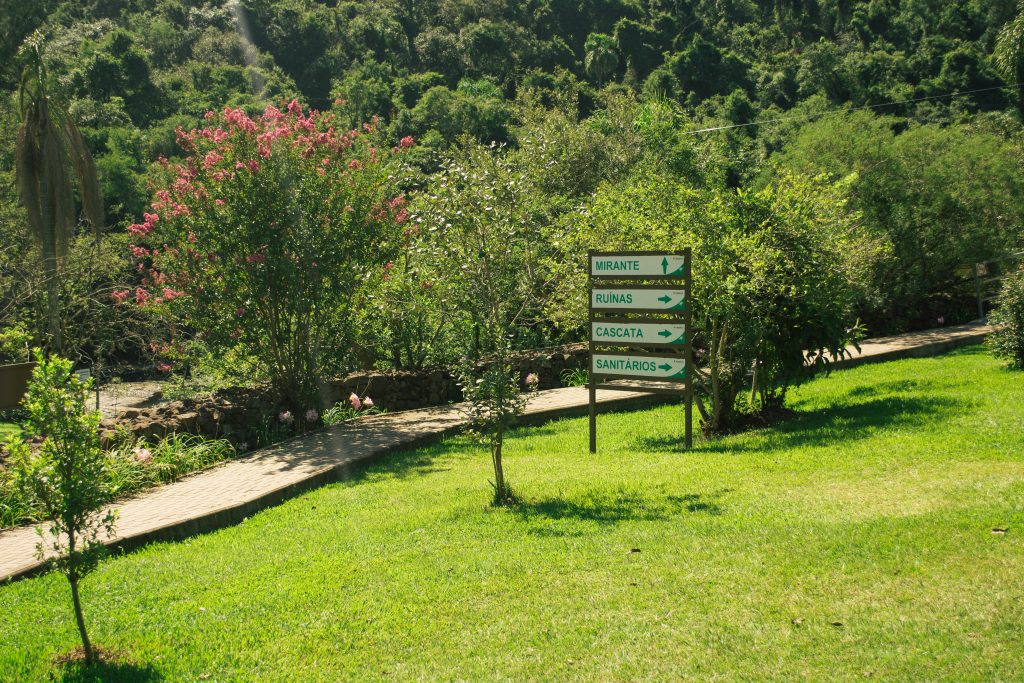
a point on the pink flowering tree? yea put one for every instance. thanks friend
(259, 239)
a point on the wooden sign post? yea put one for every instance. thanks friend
(640, 317)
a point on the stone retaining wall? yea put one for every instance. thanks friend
(240, 414)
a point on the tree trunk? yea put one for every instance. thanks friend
(753, 385)
(90, 657)
(50, 264)
(500, 492)
(53, 305)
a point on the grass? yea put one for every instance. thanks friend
(8, 430)
(854, 541)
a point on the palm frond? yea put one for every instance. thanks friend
(55, 185)
(87, 175)
(27, 164)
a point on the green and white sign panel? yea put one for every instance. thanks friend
(646, 367)
(637, 299)
(645, 265)
(639, 333)
(640, 315)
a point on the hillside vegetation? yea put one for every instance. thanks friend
(588, 94)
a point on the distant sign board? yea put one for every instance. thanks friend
(626, 266)
(648, 339)
(637, 299)
(647, 367)
(638, 333)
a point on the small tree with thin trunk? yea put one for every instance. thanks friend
(67, 475)
(480, 224)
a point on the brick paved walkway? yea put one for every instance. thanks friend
(229, 492)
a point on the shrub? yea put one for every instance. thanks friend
(136, 464)
(776, 273)
(67, 475)
(261, 237)
(1007, 340)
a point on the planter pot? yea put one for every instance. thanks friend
(14, 384)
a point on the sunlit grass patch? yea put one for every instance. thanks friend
(878, 534)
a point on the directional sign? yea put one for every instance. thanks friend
(649, 367)
(639, 333)
(650, 265)
(637, 299)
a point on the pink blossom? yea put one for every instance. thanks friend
(354, 401)
(141, 296)
(163, 367)
(406, 142)
(532, 380)
(212, 159)
(142, 455)
(219, 202)
(355, 165)
(240, 311)
(119, 296)
(286, 417)
(171, 294)
(139, 252)
(367, 402)
(312, 415)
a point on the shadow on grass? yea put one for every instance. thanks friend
(106, 672)
(844, 421)
(613, 507)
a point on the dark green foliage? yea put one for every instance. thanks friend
(1007, 341)
(942, 197)
(606, 87)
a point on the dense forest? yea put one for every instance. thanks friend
(904, 101)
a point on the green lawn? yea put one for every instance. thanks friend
(854, 541)
(7, 430)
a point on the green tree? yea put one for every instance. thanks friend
(602, 57)
(775, 273)
(481, 227)
(260, 239)
(1009, 53)
(67, 474)
(1007, 340)
(49, 150)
